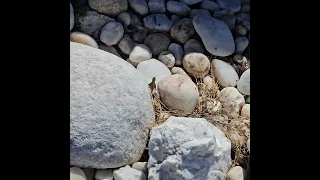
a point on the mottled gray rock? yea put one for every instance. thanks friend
(77, 174)
(193, 45)
(167, 58)
(109, 7)
(91, 21)
(140, 35)
(210, 5)
(178, 92)
(110, 110)
(157, 42)
(188, 149)
(177, 52)
(82, 38)
(215, 35)
(175, 18)
(178, 8)
(241, 44)
(190, 2)
(182, 30)
(126, 45)
(230, 20)
(158, 22)
(139, 6)
(157, 6)
(104, 174)
(195, 12)
(71, 17)
(124, 18)
(128, 173)
(109, 49)
(231, 5)
(111, 33)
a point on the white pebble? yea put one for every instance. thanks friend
(245, 111)
(243, 84)
(82, 38)
(225, 73)
(140, 53)
(128, 173)
(104, 174)
(196, 64)
(167, 58)
(77, 174)
(141, 166)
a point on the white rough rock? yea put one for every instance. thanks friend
(188, 149)
(179, 70)
(208, 81)
(77, 174)
(153, 68)
(235, 173)
(82, 38)
(110, 109)
(231, 100)
(245, 111)
(140, 53)
(126, 45)
(243, 84)
(104, 174)
(167, 58)
(196, 64)
(141, 166)
(128, 173)
(177, 52)
(178, 92)
(111, 33)
(71, 17)
(225, 73)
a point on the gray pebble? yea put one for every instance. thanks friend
(240, 30)
(111, 33)
(195, 12)
(167, 58)
(175, 18)
(193, 46)
(241, 44)
(124, 18)
(158, 22)
(139, 6)
(157, 6)
(182, 30)
(178, 8)
(157, 42)
(210, 5)
(126, 45)
(177, 52)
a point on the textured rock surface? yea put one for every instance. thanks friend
(231, 100)
(215, 35)
(182, 30)
(82, 38)
(157, 43)
(110, 108)
(196, 64)
(91, 21)
(178, 92)
(128, 173)
(188, 149)
(109, 7)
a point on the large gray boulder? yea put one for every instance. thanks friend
(215, 34)
(110, 109)
(188, 149)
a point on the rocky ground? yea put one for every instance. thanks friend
(160, 89)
